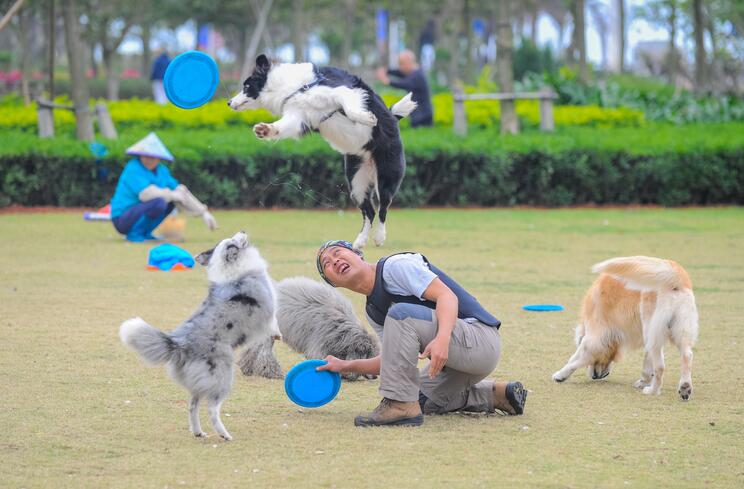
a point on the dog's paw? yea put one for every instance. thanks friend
(361, 241)
(263, 130)
(200, 434)
(640, 383)
(558, 377)
(685, 391)
(363, 117)
(380, 235)
(649, 390)
(226, 436)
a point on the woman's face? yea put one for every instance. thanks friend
(149, 162)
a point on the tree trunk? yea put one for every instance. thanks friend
(700, 65)
(52, 37)
(349, 26)
(252, 50)
(453, 40)
(533, 24)
(504, 46)
(672, 55)
(467, 32)
(146, 52)
(24, 48)
(76, 57)
(579, 40)
(621, 34)
(112, 78)
(298, 35)
(91, 49)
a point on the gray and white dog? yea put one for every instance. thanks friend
(315, 320)
(239, 309)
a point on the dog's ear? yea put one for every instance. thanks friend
(204, 257)
(262, 63)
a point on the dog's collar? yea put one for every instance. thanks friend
(304, 88)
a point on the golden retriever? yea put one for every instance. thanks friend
(636, 302)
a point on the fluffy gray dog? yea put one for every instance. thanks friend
(315, 321)
(239, 309)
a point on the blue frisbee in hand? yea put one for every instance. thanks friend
(191, 79)
(543, 307)
(309, 388)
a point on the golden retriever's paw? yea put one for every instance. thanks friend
(558, 377)
(649, 390)
(640, 383)
(685, 391)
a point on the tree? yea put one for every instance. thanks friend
(504, 46)
(75, 57)
(109, 23)
(600, 18)
(698, 30)
(577, 49)
(620, 27)
(665, 13)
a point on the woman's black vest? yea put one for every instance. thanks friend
(380, 300)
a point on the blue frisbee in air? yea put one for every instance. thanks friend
(191, 79)
(309, 388)
(543, 307)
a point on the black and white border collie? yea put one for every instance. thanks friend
(348, 114)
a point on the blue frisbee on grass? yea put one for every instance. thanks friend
(309, 388)
(543, 307)
(191, 79)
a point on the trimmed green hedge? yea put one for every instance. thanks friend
(664, 165)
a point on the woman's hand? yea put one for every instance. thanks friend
(334, 365)
(438, 351)
(209, 220)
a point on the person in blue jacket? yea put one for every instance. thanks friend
(147, 192)
(157, 75)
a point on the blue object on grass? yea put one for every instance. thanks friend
(166, 256)
(543, 307)
(191, 79)
(309, 388)
(99, 150)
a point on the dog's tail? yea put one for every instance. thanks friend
(403, 107)
(645, 273)
(151, 344)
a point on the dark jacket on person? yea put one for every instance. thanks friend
(159, 66)
(417, 84)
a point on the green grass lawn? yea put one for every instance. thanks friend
(79, 410)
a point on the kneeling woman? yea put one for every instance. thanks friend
(147, 192)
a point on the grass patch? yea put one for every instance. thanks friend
(81, 411)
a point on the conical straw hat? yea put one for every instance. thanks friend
(152, 146)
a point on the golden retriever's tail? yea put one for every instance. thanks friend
(645, 273)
